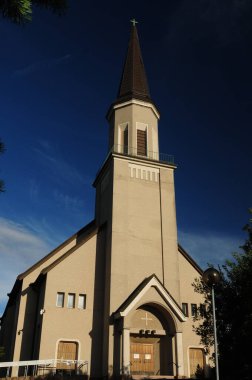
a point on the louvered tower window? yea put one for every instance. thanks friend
(141, 142)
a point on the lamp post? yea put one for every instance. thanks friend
(211, 277)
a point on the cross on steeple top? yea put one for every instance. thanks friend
(134, 21)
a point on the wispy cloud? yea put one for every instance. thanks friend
(59, 167)
(20, 247)
(209, 247)
(46, 64)
(69, 203)
(33, 190)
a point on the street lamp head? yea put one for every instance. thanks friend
(211, 277)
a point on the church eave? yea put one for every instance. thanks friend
(190, 259)
(83, 240)
(54, 251)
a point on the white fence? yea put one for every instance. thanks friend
(43, 367)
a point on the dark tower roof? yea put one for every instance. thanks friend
(133, 81)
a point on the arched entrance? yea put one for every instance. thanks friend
(152, 341)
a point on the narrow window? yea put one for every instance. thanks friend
(82, 301)
(71, 300)
(60, 299)
(202, 310)
(125, 141)
(185, 309)
(141, 142)
(194, 309)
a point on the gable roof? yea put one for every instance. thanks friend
(82, 236)
(141, 290)
(78, 236)
(83, 240)
(190, 259)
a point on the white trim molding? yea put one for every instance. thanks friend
(137, 102)
(153, 282)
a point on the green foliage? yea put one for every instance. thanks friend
(233, 313)
(199, 374)
(20, 11)
(2, 149)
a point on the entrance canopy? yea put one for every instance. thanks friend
(138, 296)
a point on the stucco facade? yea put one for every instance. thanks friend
(114, 291)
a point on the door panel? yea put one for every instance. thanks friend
(196, 356)
(67, 351)
(142, 357)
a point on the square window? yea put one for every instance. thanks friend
(60, 299)
(185, 309)
(71, 300)
(194, 309)
(82, 301)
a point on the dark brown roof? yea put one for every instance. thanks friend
(134, 81)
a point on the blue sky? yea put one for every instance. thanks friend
(59, 76)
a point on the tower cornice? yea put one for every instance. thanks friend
(132, 159)
(126, 103)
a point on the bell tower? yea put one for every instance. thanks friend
(135, 196)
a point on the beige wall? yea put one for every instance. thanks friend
(188, 275)
(75, 275)
(144, 237)
(26, 316)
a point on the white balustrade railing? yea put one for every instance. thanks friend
(42, 367)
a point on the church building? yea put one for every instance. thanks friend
(118, 293)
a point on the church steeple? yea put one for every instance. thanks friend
(133, 117)
(133, 82)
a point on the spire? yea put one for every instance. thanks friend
(133, 81)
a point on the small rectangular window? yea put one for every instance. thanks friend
(60, 299)
(71, 300)
(202, 310)
(194, 309)
(185, 309)
(82, 301)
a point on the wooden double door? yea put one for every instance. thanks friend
(67, 351)
(142, 358)
(196, 357)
